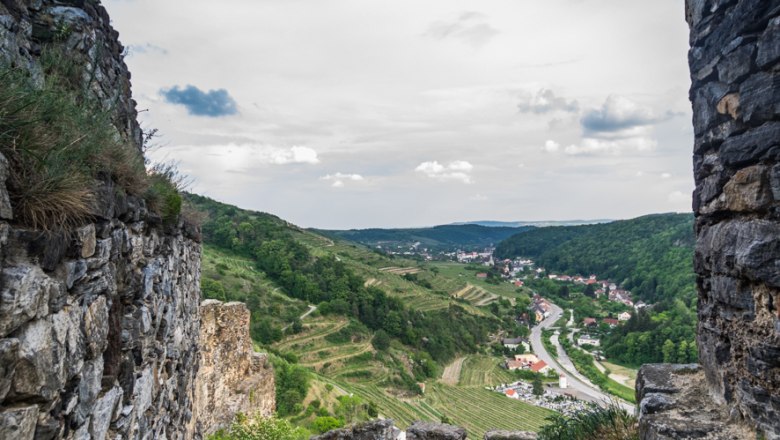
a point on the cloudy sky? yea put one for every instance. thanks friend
(358, 113)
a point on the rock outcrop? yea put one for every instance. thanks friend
(100, 326)
(232, 378)
(734, 61)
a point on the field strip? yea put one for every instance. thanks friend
(451, 374)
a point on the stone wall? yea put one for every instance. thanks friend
(99, 327)
(232, 378)
(99, 330)
(734, 62)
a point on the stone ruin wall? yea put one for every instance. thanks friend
(734, 61)
(100, 330)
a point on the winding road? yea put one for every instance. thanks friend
(578, 384)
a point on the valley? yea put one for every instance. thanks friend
(355, 363)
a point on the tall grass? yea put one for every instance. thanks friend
(610, 423)
(59, 143)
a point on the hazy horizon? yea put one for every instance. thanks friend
(354, 114)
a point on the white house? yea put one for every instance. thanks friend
(625, 316)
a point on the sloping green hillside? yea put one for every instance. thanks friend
(650, 255)
(379, 327)
(437, 237)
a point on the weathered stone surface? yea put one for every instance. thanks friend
(373, 430)
(674, 403)
(96, 327)
(232, 377)
(735, 94)
(99, 326)
(769, 45)
(510, 435)
(6, 212)
(9, 355)
(434, 431)
(25, 295)
(760, 97)
(748, 189)
(105, 411)
(18, 422)
(85, 240)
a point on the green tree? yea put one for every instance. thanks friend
(693, 352)
(327, 423)
(538, 387)
(668, 351)
(682, 352)
(381, 340)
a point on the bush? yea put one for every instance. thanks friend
(259, 428)
(611, 423)
(327, 423)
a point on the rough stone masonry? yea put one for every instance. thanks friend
(734, 62)
(100, 329)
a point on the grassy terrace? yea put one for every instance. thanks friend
(475, 408)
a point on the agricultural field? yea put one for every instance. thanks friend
(620, 374)
(475, 408)
(458, 271)
(481, 370)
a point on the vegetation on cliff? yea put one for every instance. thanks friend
(62, 146)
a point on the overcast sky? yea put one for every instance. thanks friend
(357, 113)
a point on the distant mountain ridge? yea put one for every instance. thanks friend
(539, 224)
(443, 236)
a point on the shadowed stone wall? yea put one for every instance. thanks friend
(735, 92)
(100, 327)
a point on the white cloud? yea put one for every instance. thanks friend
(458, 170)
(338, 179)
(470, 28)
(551, 146)
(296, 154)
(679, 197)
(595, 146)
(665, 175)
(545, 101)
(617, 114)
(478, 198)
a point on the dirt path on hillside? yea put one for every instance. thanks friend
(451, 374)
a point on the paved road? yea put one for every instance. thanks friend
(577, 387)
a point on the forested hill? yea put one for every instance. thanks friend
(279, 250)
(650, 255)
(437, 237)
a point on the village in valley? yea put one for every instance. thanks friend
(583, 332)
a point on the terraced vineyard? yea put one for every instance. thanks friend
(480, 370)
(476, 295)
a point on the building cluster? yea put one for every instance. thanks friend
(486, 256)
(527, 361)
(540, 307)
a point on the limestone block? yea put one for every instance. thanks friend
(85, 240)
(96, 327)
(434, 431)
(26, 291)
(9, 355)
(18, 422)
